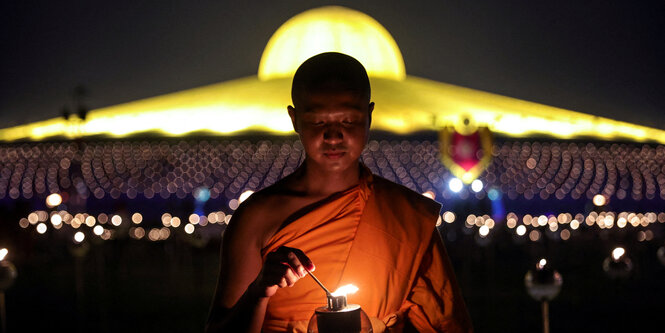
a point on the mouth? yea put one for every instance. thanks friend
(333, 155)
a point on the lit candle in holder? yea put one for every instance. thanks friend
(339, 316)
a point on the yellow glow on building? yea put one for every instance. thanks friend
(404, 104)
(331, 28)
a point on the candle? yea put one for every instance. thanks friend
(338, 316)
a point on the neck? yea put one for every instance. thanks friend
(318, 182)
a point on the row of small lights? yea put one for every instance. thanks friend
(99, 224)
(604, 220)
(57, 218)
(485, 223)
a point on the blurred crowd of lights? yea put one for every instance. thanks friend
(575, 170)
(232, 170)
(213, 169)
(164, 169)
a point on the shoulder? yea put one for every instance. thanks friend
(252, 221)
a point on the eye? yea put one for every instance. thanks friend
(316, 123)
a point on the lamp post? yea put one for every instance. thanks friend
(79, 249)
(661, 254)
(543, 284)
(7, 276)
(618, 265)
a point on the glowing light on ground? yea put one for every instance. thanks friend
(56, 220)
(449, 217)
(534, 235)
(53, 200)
(79, 236)
(574, 224)
(137, 218)
(116, 220)
(167, 219)
(483, 231)
(599, 200)
(565, 234)
(3, 253)
(477, 185)
(90, 221)
(455, 185)
(98, 230)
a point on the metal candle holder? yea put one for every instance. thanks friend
(337, 316)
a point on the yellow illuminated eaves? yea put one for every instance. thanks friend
(331, 28)
(419, 104)
(402, 107)
(220, 109)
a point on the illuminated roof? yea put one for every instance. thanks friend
(331, 28)
(404, 104)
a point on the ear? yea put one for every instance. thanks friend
(292, 114)
(370, 108)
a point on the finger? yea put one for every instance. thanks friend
(294, 258)
(291, 277)
(282, 283)
(295, 264)
(303, 259)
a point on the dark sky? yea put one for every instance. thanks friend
(599, 57)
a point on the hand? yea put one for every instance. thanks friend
(283, 268)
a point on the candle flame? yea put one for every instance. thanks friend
(344, 290)
(3, 253)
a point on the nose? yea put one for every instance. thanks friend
(333, 134)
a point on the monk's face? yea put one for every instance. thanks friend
(333, 128)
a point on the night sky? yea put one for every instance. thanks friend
(598, 57)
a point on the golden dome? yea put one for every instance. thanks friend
(331, 28)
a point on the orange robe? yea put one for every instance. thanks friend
(381, 237)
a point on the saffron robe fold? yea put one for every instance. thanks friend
(381, 237)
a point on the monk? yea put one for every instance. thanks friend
(332, 216)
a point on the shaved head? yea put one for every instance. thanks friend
(330, 72)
